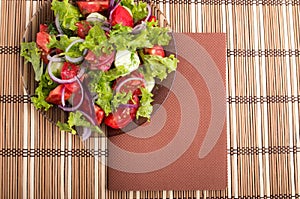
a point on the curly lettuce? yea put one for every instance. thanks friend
(32, 54)
(67, 13)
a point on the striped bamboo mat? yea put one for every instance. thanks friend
(38, 161)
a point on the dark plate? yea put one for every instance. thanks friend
(160, 91)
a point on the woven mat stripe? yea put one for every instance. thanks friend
(230, 99)
(50, 152)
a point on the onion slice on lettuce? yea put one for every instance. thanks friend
(76, 107)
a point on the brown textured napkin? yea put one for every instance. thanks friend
(184, 145)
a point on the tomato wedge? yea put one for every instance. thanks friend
(118, 119)
(155, 50)
(83, 28)
(152, 18)
(99, 114)
(42, 39)
(102, 62)
(55, 95)
(123, 115)
(87, 7)
(43, 28)
(122, 16)
(68, 71)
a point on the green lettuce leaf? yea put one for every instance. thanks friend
(67, 13)
(45, 86)
(105, 95)
(76, 119)
(139, 11)
(120, 98)
(122, 38)
(63, 42)
(32, 54)
(156, 66)
(101, 85)
(158, 35)
(145, 108)
(97, 41)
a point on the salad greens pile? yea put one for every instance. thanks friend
(94, 57)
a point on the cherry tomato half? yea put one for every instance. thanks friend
(43, 28)
(102, 62)
(69, 71)
(152, 18)
(87, 7)
(99, 114)
(55, 95)
(122, 16)
(155, 50)
(118, 119)
(123, 115)
(83, 28)
(42, 39)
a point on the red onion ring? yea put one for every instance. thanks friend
(113, 9)
(87, 132)
(127, 80)
(55, 58)
(57, 24)
(63, 103)
(108, 59)
(91, 104)
(129, 105)
(61, 81)
(88, 117)
(107, 29)
(149, 12)
(77, 59)
(138, 28)
(111, 3)
(74, 108)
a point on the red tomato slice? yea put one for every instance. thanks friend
(122, 16)
(87, 7)
(69, 71)
(152, 19)
(55, 95)
(155, 50)
(118, 119)
(44, 57)
(99, 114)
(42, 39)
(83, 28)
(43, 28)
(102, 62)
(123, 115)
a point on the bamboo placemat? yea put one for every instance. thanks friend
(38, 161)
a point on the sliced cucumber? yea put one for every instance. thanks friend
(150, 83)
(56, 68)
(96, 15)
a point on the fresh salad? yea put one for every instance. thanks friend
(99, 60)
